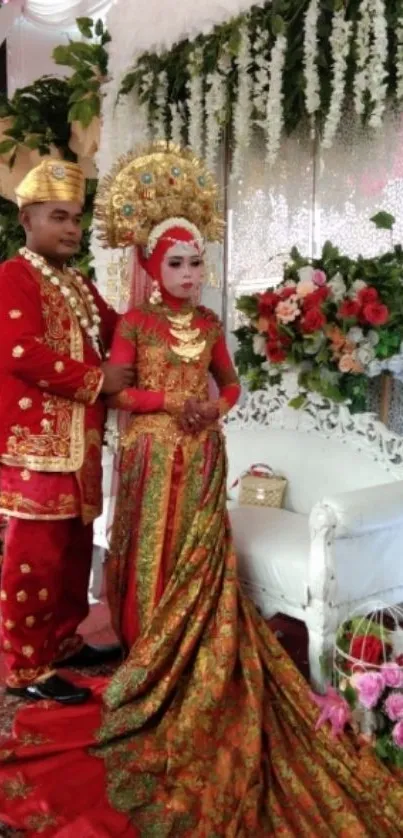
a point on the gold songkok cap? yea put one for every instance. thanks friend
(149, 186)
(52, 180)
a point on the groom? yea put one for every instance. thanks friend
(55, 331)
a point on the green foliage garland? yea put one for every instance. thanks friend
(41, 115)
(278, 17)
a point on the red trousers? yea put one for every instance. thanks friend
(44, 594)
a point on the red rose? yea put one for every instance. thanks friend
(313, 320)
(399, 660)
(285, 293)
(368, 649)
(367, 295)
(376, 314)
(275, 352)
(272, 329)
(349, 309)
(316, 298)
(285, 340)
(267, 303)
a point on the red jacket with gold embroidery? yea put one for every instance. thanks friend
(49, 371)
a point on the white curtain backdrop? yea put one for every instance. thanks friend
(34, 28)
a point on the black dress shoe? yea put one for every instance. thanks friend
(92, 656)
(53, 688)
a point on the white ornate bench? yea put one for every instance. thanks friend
(338, 541)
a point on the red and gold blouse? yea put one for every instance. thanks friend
(51, 418)
(173, 351)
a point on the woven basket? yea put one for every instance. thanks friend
(260, 486)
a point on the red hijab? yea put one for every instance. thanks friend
(175, 235)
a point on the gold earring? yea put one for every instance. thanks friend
(155, 296)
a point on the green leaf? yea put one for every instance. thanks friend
(63, 56)
(84, 52)
(99, 28)
(85, 25)
(277, 25)
(128, 83)
(350, 695)
(247, 304)
(83, 111)
(298, 401)
(33, 141)
(383, 220)
(6, 146)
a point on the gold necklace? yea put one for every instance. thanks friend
(189, 348)
(77, 295)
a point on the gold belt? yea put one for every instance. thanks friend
(163, 428)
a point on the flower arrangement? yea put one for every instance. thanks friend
(284, 63)
(368, 684)
(338, 320)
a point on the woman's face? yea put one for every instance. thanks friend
(182, 271)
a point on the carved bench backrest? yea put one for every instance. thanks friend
(321, 449)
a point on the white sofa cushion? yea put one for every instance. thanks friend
(272, 546)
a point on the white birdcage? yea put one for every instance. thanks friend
(380, 620)
(384, 622)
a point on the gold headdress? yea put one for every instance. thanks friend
(148, 187)
(52, 180)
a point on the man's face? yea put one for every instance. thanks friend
(53, 229)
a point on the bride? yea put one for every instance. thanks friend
(207, 729)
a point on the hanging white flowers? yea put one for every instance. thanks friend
(242, 128)
(340, 47)
(362, 45)
(274, 105)
(312, 85)
(177, 121)
(143, 115)
(260, 48)
(377, 66)
(195, 100)
(216, 100)
(161, 95)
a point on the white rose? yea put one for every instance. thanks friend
(365, 354)
(65, 291)
(73, 302)
(84, 322)
(305, 274)
(337, 287)
(374, 368)
(355, 334)
(55, 280)
(395, 364)
(373, 337)
(357, 286)
(259, 345)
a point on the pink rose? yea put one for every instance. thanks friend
(334, 708)
(319, 278)
(287, 311)
(370, 686)
(393, 674)
(394, 706)
(397, 734)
